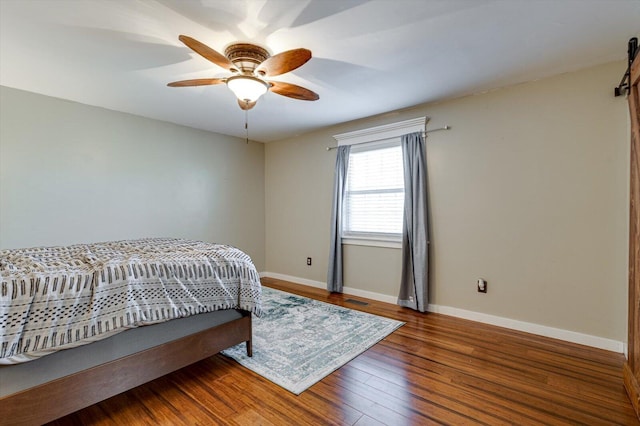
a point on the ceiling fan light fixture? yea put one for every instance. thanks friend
(247, 88)
(251, 66)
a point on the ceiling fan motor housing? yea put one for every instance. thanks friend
(246, 56)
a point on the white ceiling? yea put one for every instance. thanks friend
(369, 56)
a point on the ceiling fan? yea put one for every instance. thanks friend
(249, 65)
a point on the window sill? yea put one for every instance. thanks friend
(372, 242)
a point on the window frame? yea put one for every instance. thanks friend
(376, 239)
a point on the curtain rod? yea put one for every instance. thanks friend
(447, 127)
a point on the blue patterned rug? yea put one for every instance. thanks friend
(299, 341)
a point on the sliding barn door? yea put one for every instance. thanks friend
(632, 366)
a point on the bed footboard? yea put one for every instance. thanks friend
(63, 396)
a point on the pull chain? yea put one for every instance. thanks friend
(246, 121)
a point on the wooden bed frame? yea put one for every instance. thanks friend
(49, 401)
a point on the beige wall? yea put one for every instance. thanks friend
(528, 190)
(72, 173)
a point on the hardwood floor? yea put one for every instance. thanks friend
(434, 370)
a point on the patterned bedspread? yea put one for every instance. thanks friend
(54, 298)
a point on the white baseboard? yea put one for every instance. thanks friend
(319, 284)
(541, 330)
(528, 327)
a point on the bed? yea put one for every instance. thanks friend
(85, 322)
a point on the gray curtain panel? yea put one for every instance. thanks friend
(334, 275)
(415, 239)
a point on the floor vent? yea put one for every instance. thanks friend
(356, 302)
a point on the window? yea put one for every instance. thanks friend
(374, 196)
(373, 204)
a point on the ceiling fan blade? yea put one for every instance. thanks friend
(198, 82)
(208, 53)
(292, 91)
(284, 62)
(246, 105)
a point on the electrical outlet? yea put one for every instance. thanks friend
(482, 285)
(308, 261)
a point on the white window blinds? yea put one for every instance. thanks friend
(374, 197)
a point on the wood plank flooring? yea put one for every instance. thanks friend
(434, 370)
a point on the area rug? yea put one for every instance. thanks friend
(298, 341)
